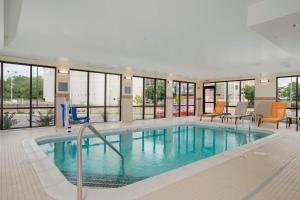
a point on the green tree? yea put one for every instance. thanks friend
(21, 87)
(138, 100)
(160, 91)
(288, 93)
(249, 94)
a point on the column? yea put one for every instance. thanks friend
(126, 103)
(199, 98)
(169, 99)
(61, 95)
(265, 94)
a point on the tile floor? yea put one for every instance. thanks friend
(271, 171)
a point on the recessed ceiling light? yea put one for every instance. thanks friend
(295, 25)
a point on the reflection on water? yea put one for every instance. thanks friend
(147, 153)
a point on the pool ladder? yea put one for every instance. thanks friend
(79, 154)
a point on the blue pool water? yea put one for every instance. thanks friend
(147, 153)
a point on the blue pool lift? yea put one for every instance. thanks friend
(75, 117)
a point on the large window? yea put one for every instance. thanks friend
(288, 90)
(96, 95)
(149, 97)
(234, 91)
(28, 95)
(184, 94)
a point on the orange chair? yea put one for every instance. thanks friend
(218, 111)
(277, 115)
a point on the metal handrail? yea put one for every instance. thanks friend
(79, 154)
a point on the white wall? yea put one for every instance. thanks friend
(265, 89)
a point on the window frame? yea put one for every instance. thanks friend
(187, 100)
(297, 108)
(105, 94)
(143, 106)
(213, 83)
(30, 107)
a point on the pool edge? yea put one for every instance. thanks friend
(58, 187)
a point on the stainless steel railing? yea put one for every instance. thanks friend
(79, 154)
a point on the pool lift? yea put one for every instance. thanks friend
(79, 155)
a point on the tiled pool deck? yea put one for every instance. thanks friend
(269, 169)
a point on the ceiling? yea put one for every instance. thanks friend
(203, 39)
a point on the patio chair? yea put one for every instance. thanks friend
(218, 111)
(277, 115)
(240, 112)
(75, 117)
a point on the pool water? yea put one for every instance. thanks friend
(146, 153)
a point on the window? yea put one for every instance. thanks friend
(288, 91)
(28, 95)
(149, 95)
(96, 95)
(232, 92)
(184, 94)
(248, 93)
(221, 91)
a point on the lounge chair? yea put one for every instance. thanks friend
(218, 111)
(277, 115)
(240, 112)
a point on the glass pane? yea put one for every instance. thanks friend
(160, 92)
(248, 92)
(137, 113)
(137, 91)
(221, 90)
(113, 88)
(149, 113)
(15, 118)
(78, 88)
(43, 117)
(191, 97)
(113, 114)
(291, 112)
(183, 110)
(176, 99)
(209, 107)
(191, 94)
(209, 95)
(286, 91)
(233, 93)
(149, 91)
(160, 112)
(96, 114)
(183, 91)
(96, 90)
(191, 110)
(16, 85)
(43, 86)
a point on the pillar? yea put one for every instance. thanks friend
(199, 98)
(265, 93)
(169, 99)
(126, 103)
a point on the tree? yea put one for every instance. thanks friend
(21, 87)
(138, 100)
(160, 91)
(288, 93)
(249, 94)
